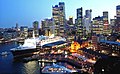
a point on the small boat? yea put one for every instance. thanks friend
(4, 53)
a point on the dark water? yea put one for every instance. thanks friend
(9, 66)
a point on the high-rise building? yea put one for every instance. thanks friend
(87, 21)
(24, 31)
(106, 29)
(70, 27)
(70, 21)
(48, 26)
(36, 28)
(117, 25)
(79, 20)
(58, 13)
(97, 25)
(112, 25)
(62, 18)
(55, 14)
(17, 27)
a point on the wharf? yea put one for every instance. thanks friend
(47, 59)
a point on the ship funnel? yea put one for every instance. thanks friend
(33, 34)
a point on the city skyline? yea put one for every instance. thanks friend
(26, 12)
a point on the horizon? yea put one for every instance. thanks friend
(26, 12)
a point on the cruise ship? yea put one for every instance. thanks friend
(50, 39)
(30, 45)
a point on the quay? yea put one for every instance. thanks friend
(47, 59)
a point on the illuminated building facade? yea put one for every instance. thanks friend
(36, 28)
(106, 29)
(97, 25)
(117, 25)
(58, 13)
(74, 47)
(48, 26)
(62, 17)
(55, 14)
(70, 24)
(112, 24)
(109, 47)
(79, 21)
(94, 42)
(24, 31)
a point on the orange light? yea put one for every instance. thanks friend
(74, 47)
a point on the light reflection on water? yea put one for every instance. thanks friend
(9, 66)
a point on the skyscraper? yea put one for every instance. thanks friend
(62, 17)
(16, 26)
(48, 26)
(97, 25)
(70, 21)
(87, 20)
(24, 31)
(55, 14)
(36, 28)
(106, 29)
(117, 26)
(58, 13)
(112, 24)
(79, 21)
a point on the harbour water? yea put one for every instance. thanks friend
(9, 66)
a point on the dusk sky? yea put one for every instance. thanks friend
(25, 12)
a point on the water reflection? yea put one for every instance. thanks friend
(9, 66)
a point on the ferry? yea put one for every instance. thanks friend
(57, 69)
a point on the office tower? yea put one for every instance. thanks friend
(117, 25)
(70, 22)
(106, 29)
(24, 31)
(79, 20)
(87, 21)
(55, 14)
(17, 28)
(97, 25)
(112, 25)
(62, 17)
(70, 27)
(58, 13)
(48, 26)
(36, 28)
